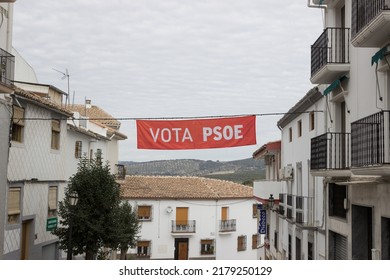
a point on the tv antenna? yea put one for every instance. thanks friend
(65, 76)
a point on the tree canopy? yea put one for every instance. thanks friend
(97, 221)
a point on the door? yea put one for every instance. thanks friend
(181, 248)
(361, 232)
(26, 239)
(385, 238)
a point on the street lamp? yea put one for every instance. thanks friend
(73, 199)
(271, 202)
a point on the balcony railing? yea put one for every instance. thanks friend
(184, 226)
(363, 12)
(7, 68)
(227, 225)
(330, 151)
(370, 140)
(332, 47)
(370, 23)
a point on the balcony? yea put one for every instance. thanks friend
(370, 145)
(7, 69)
(183, 227)
(330, 155)
(226, 226)
(330, 56)
(370, 23)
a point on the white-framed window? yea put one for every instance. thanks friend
(144, 212)
(143, 248)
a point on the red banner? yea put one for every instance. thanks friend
(196, 134)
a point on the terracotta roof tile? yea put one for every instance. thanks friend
(169, 187)
(95, 113)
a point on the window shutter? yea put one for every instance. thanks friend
(52, 198)
(14, 201)
(55, 125)
(144, 211)
(18, 117)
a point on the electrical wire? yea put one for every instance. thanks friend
(179, 117)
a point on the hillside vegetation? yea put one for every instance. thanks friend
(239, 171)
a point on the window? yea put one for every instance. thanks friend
(13, 210)
(78, 149)
(207, 247)
(241, 243)
(255, 241)
(309, 250)
(144, 212)
(99, 156)
(52, 207)
(254, 210)
(18, 124)
(55, 134)
(311, 121)
(143, 248)
(337, 195)
(276, 240)
(290, 134)
(299, 128)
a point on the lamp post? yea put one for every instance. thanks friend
(73, 199)
(271, 202)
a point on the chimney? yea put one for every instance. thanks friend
(88, 104)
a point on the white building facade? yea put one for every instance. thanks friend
(352, 57)
(192, 218)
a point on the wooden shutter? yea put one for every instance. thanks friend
(144, 212)
(181, 215)
(14, 201)
(55, 125)
(224, 213)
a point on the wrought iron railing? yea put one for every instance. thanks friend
(183, 226)
(364, 11)
(331, 47)
(227, 225)
(330, 151)
(368, 136)
(7, 67)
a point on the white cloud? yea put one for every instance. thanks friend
(153, 58)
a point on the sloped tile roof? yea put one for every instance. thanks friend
(42, 101)
(169, 187)
(95, 113)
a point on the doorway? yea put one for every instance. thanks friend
(361, 232)
(26, 239)
(181, 248)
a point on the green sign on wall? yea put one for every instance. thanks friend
(51, 223)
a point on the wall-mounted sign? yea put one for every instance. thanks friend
(263, 222)
(196, 133)
(51, 223)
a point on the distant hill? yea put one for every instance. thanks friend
(239, 171)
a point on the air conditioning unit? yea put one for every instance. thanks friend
(288, 172)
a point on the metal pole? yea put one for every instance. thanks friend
(70, 245)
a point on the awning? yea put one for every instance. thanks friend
(379, 55)
(333, 85)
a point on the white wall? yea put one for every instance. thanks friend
(207, 214)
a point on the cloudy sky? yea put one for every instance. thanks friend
(174, 58)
